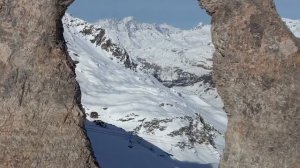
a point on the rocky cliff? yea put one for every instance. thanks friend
(257, 73)
(41, 123)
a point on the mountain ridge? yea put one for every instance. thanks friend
(119, 95)
(137, 101)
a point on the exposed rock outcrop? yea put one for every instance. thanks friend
(106, 44)
(41, 123)
(257, 73)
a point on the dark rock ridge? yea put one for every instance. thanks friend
(41, 122)
(180, 78)
(99, 39)
(205, 135)
(186, 79)
(197, 131)
(257, 74)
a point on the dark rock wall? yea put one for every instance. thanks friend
(41, 124)
(257, 74)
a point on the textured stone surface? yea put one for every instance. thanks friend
(41, 124)
(257, 73)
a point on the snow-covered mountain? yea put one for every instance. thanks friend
(294, 26)
(177, 58)
(136, 109)
(152, 90)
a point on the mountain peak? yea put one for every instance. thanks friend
(128, 19)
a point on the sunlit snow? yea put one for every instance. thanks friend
(140, 114)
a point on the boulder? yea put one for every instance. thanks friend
(41, 119)
(257, 74)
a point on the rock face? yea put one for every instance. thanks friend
(257, 73)
(41, 123)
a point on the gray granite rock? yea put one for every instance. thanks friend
(257, 74)
(41, 122)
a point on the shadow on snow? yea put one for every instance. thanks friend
(116, 148)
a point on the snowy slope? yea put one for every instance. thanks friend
(123, 67)
(188, 50)
(294, 26)
(185, 127)
(178, 58)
